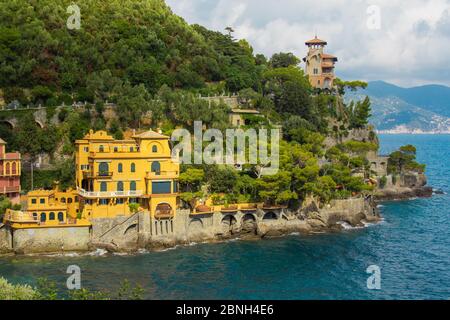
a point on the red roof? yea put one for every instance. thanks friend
(316, 41)
(328, 56)
(12, 156)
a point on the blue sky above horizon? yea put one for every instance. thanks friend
(411, 46)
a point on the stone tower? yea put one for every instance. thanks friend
(319, 65)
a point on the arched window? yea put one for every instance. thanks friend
(155, 149)
(7, 171)
(51, 216)
(156, 167)
(69, 200)
(14, 168)
(103, 169)
(103, 187)
(101, 149)
(133, 186)
(60, 216)
(133, 167)
(63, 200)
(120, 186)
(43, 217)
(120, 168)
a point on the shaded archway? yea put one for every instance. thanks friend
(270, 216)
(228, 223)
(249, 224)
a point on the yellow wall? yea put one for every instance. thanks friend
(112, 173)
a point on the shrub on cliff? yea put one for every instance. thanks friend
(404, 160)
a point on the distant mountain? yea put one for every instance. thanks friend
(413, 110)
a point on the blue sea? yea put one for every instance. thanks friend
(411, 247)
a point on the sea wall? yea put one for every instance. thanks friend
(5, 240)
(142, 231)
(40, 240)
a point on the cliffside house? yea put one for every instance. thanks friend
(319, 65)
(10, 170)
(112, 174)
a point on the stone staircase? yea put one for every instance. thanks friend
(109, 231)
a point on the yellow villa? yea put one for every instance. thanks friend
(112, 174)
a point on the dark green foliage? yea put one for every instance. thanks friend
(404, 160)
(284, 60)
(140, 42)
(359, 113)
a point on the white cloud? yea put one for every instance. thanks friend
(410, 48)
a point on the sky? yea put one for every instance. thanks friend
(405, 42)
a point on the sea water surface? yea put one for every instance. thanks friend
(411, 247)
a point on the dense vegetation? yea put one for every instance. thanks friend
(47, 290)
(153, 66)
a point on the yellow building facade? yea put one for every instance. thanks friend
(116, 177)
(46, 209)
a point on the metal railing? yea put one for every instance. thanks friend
(109, 194)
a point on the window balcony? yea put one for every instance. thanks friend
(109, 194)
(97, 175)
(10, 189)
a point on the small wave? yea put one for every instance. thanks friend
(167, 249)
(121, 254)
(380, 206)
(347, 226)
(98, 253)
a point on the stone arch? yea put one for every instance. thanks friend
(11, 123)
(195, 226)
(228, 223)
(249, 223)
(131, 229)
(270, 216)
(39, 123)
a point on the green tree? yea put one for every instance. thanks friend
(284, 60)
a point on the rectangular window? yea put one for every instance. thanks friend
(133, 200)
(120, 201)
(161, 187)
(175, 186)
(104, 202)
(86, 149)
(42, 201)
(33, 201)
